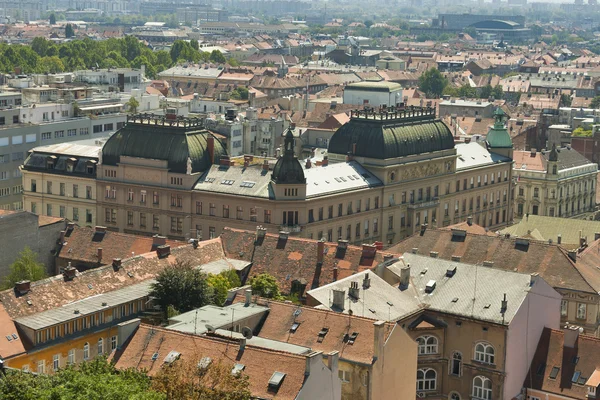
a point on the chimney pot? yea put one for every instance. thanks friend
(62, 237)
(335, 273)
(163, 251)
(69, 273)
(23, 287)
(559, 239)
(366, 281)
(248, 294)
(116, 263)
(469, 220)
(320, 250)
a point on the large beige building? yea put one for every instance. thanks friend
(386, 175)
(556, 183)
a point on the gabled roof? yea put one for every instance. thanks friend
(295, 258)
(312, 321)
(82, 243)
(550, 261)
(551, 227)
(551, 352)
(259, 364)
(15, 345)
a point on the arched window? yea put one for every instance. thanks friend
(426, 379)
(86, 351)
(456, 365)
(393, 176)
(484, 353)
(454, 396)
(100, 346)
(482, 388)
(427, 345)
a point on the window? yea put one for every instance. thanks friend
(376, 202)
(426, 379)
(482, 388)
(142, 220)
(75, 214)
(59, 134)
(564, 306)
(72, 132)
(344, 376)
(155, 221)
(155, 198)
(100, 346)
(46, 135)
(113, 343)
(456, 366)
(49, 187)
(212, 209)
(41, 366)
(56, 362)
(225, 211)
(84, 131)
(88, 216)
(130, 218)
(329, 213)
(375, 226)
(71, 357)
(86, 351)
(239, 212)
(267, 216)
(536, 192)
(427, 345)
(130, 195)
(88, 192)
(212, 232)
(49, 210)
(581, 311)
(454, 396)
(97, 128)
(484, 353)
(253, 214)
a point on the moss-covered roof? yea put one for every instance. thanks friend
(383, 138)
(163, 142)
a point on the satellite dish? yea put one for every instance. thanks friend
(247, 332)
(209, 328)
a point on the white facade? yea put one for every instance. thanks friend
(374, 94)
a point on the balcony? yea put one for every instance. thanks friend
(424, 204)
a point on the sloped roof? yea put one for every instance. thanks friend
(551, 227)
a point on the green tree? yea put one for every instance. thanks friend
(221, 283)
(69, 31)
(240, 93)
(132, 105)
(580, 132)
(217, 57)
(467, 91)
(565, 100)
(194, 44)
(25, 268)
(432, 82)
(182, 287)
(50, 64)
(498, 92)
(265, 285)
(52, 19)
(233, 62)
(595, 103)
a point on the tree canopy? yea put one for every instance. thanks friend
(132, 105)
(432, 82)
(221, 283)
(26, 267)
(595, 103)
(265, 285)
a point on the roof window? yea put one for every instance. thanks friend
(322, 334)
(172, 357)
(237, 369)
(554, 372)
(154, 357)
(576, 376)
(276, 380)
(294, 327)
(204, 363)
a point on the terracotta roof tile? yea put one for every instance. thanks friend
(295, 258)
(44, 220)
(259, 363)
(12, 347)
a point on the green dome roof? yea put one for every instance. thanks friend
(288, 168)
(498, 136)
(174, 143)
(382, 137)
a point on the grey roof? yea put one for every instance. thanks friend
(465, 103)
(251, 181)
(479, 290)
(338, 178)
(86, 306)
(224, 264)
(80, 148)
(380, 86)
(473, 155)
(201, 71)
(195, 321)
(258, 341)
(567, 158)
(371, 302)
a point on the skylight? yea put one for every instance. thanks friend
(276, 380)
(322, 334)
(576, 376)
(247, 184)
(172, 357)
(204, 362)
(294, 327)
(554, 372)
(154, 356)
(227, 182)
(237, 369)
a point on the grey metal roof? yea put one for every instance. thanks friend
(86, 306)
(338, 178)
(473, 155)
(225, 264)
(195, 321)
(479, 290)
(258, 341)
(251, 181)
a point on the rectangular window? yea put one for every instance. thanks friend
(212, 209)
(143, 196)
(71, 357)
(155, 221)
(155, 198)
(113, 343)
(225, 211)
(97, 128)
(56, 362)
(376, 202)
(62, 189)
(212, 232)
(41, 366)
(46, 135)
(88, 216)
(72, 132)
(75, 214)
(130, 218)
(581, 311)
(49, 210)
(253, 214)
(59, 134)
(199, 207)
(84, 131)
(75, 191)
(88, 192)
(142, 220)
(239, 212)
(267, 216)
(564, 306)
(49, 187)
(130, 195)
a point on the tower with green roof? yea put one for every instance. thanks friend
(498, 139)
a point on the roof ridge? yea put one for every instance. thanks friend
(574, 265)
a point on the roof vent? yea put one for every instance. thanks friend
(456, 258)
(430, 287)
(172, 357)
(451, 271)
(415, 250)
(488, 263)
(433, 254)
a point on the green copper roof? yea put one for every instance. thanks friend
(288, 168)
(498, 136)
(399, 136)
(163, 142)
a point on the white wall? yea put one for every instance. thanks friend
(376, 99)
(541, 308)
(322, 383)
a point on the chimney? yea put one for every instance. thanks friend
(163, 251)
(320, 250)
(260, 232)
(339, 297)
(325, 161)
(116, 264)
(433, 254)
(62, 237)
(70, 226)
(333, 359)
(378, 339)
(415, 250)
(582, 242)
(366, 281)
(69, 272)
(354, 291)
(335, 273)
(224, 161)
(242, 344)
(158, 240)
(99, 254)
(246, 163)
(265, 165)
(559, 239)
(22, 287)
(342, 244)
(573, 255)
(248, 294)
(456, 258)
(533, 278)
(308, 163)
(469, 220)
(467, 140)
(369, 250)
(194, 243)
(423, 228)
(100, 229)
(387, 257)
(314, 360)
(210, 146)
(571, 333)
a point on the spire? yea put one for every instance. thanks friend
(498, 136)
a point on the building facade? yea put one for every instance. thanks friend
(559, 183)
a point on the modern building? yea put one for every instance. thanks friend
(467, 108)
(114, 79)
(556, 183)
(374, 94)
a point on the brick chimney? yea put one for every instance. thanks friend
(320, 250)
(335, 273)
(116, 264)
(158, 240)
(325, 161)
(22, 287)
(69, 273)
(265, 165)
(224, 161)
(100, 229)
(469, 220)
(369, 250)
(99, 254)
(163, 251)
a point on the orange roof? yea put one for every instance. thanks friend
(44, 220)
(531, 163)
(7, 328)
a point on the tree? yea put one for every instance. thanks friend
(182, 287)
(221, 283)
(25, 268)
(565, 100)
(265, 285)
(52, 19)
(217, 57)
(132, 105)
(498, 92)
(240, 93)
(233, 62)
(183, 380)
(194, 44)
(69, 31)
(94, 380)
(595, 103)
(432, 82)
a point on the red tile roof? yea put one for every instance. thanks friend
(295, 258)
(260, 364)
(13, 347)
(44, 220)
